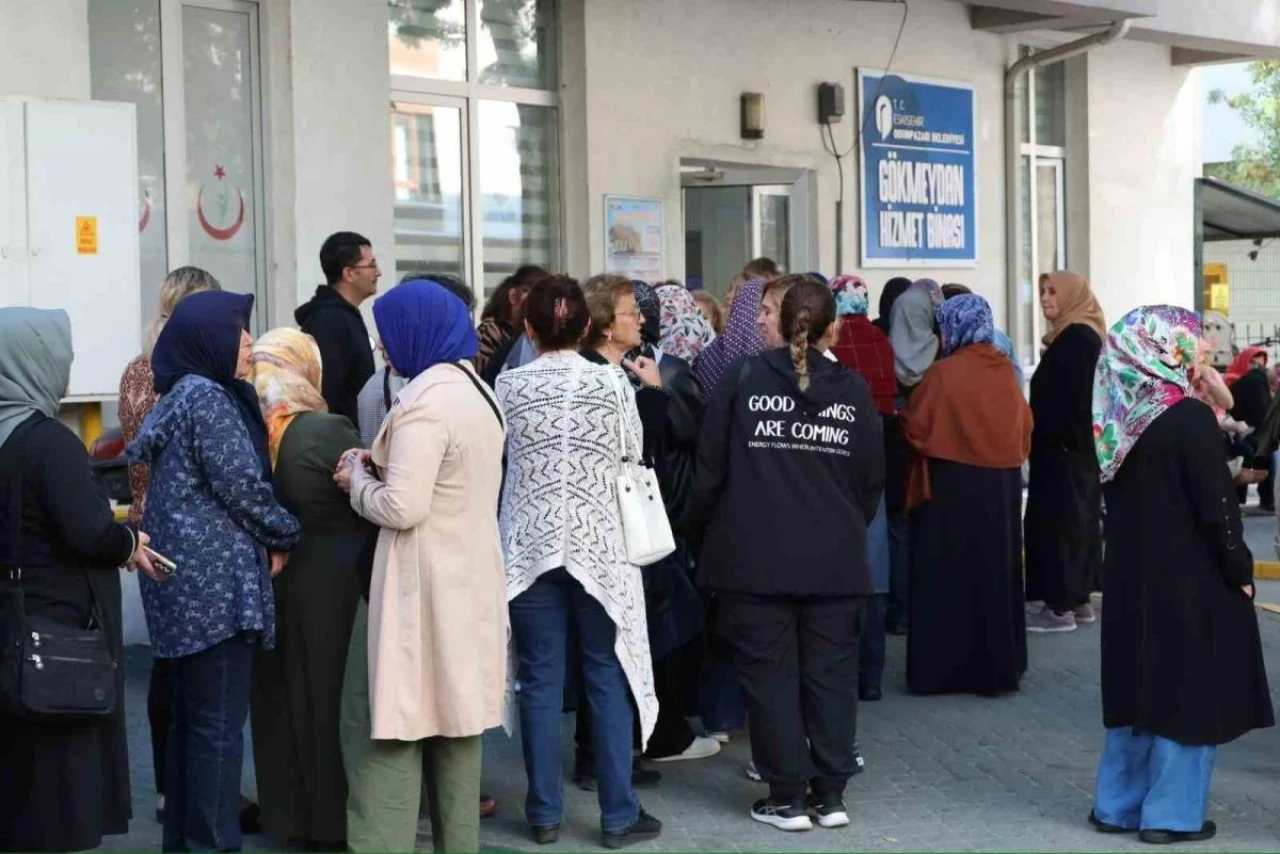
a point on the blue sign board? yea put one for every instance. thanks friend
(919, 199)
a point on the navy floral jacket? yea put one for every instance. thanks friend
(211, 512)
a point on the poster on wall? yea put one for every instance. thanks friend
(919, 203)
(633, 237)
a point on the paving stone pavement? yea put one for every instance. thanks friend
(943, 774)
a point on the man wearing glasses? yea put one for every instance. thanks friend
(333, 318)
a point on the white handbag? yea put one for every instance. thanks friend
(644, 514)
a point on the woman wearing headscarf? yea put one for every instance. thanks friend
(427, 667)
(573, 577)
(137, 399)
(913, 334)
(893, 289)
(1182, 665)
(741, 336)
(862, 348)
(970, 429)
(64, 784)
(297, 687)
(999, 338)
(1251, 391)
(684, 330)
(1063, 523)
(212, 511)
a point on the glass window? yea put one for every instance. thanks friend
(1051, 104)
(426, 153)
(124, 65)
(220, 74)
(1028, 296)
(519, 188)
(517, 43)
(428, 38)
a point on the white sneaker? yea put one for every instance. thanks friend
(752, 773)
(720, 736)
(701, 748)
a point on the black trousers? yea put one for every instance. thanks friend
(797, 658)
(158, 715)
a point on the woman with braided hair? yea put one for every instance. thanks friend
(790, 471)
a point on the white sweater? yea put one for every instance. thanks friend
(560, 503)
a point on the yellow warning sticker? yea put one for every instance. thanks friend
(86, 235)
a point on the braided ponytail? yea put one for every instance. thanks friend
(808, 310)
(798, 336)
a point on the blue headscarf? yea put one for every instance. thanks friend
(202, 338)
(965, 320)
(423, 325)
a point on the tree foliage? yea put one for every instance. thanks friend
(1256, 164)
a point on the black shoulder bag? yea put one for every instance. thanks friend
(49, 671)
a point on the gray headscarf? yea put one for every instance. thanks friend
(35, 364)
(912, 331)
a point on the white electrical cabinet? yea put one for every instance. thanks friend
(69, 228)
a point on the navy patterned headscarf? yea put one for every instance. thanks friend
(650, 311)
(202, 338)
(965, 320)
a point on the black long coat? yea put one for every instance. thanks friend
(1181, 654)
(63, 786)
(1062, 527)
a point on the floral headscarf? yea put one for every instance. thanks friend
(685, 329)
(1144, 369)
(851, 295)
(286, 374)
(741, 335)
(965, 320)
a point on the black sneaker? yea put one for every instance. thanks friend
(646, 828)
(782, 815)
(1102, 827)
(830, 810)
(1167, 837)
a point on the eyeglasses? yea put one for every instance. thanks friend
(635, 312)
(372, 265)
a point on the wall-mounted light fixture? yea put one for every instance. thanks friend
(752, 115)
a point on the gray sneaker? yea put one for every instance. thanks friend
(1049, 621)
(1086, 614)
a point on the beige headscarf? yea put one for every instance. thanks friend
(286, 373)
(1076, 304)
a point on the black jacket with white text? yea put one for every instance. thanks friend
(787, 481)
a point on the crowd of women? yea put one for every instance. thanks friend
(351, 588)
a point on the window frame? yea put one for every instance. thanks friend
(468, 94)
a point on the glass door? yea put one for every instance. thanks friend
(771, 223)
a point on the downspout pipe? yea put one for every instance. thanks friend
(1012, 153)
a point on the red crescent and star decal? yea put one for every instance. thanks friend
(209, 228)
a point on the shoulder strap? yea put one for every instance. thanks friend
(386, 389)
(487, 399)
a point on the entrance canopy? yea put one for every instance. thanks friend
(1229, 212)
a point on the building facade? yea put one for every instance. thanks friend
(471, 136)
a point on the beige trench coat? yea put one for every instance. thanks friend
(438, 604)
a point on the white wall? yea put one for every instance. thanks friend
(44, 48)
(1144, 138)
(340, 131)
(664, 77)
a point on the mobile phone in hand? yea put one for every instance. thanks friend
(167, 566)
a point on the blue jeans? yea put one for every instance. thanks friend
(208, 706)
(540, 621)
(1146, 782)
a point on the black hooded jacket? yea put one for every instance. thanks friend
(346, 354)
(787, 481)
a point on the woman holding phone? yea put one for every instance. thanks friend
(213, 512)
